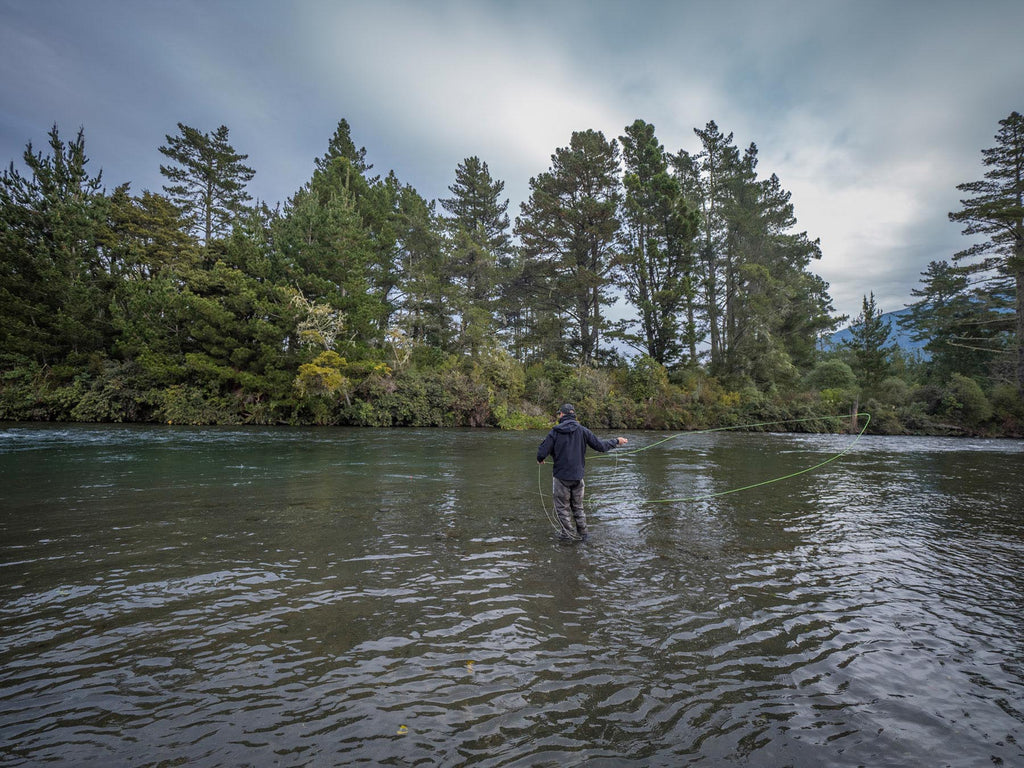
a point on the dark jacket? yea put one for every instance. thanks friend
(568, 442)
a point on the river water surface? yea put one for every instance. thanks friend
(298, 597)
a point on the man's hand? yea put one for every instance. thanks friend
(623, 441)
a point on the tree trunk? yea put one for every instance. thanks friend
(1020, 325)
(691, 324)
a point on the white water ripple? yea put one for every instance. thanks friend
(397, 598)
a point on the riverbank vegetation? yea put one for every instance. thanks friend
(653, 289)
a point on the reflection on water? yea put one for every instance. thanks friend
(324, 597)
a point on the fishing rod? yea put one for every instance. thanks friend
(705, 496)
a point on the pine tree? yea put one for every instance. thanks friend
(705, 180)
(325, 245)
(657, 262)
(216, 325)
(54, 279)
(376, 206)
(146, 236)
(240, 324)
(155, 256)
(568, 230)
(478, 247)
(869, 337)
(427, 288)
(341, 147)
(380, 211)
(763, 308)
(208, 179)
(775, 308)
(477, 207)
(962, 331)
(325, 249)
(994, 209)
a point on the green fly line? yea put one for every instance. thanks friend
(704, 496)
(550, 515)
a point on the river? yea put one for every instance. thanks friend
(322, 597)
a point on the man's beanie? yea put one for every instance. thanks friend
(567, 409)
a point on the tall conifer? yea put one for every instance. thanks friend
(54, 279)
(207, 179)
(478, 247)
(994, 209)
(869, 342)
(568, 228)
(656, 266)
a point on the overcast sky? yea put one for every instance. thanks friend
(869, 112)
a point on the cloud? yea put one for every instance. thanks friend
(444, 86)
(870, 113)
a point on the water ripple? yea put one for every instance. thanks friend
(422, 613)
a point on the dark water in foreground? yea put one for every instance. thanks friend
(226, 597)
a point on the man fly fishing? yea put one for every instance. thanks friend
(567, 442)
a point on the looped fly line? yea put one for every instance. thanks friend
(704, 496)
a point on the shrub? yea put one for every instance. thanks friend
(885, 419)
(540, 388)
(323, 376)
(465, 400)
(929, 396)
(836, 400)
(831, 374)
(20, 394)
(504, 374)
(965, 401)
(646, 379)
(182, 404)
(894, 391)
(112, 397)
(519, 420)
(1007, 402)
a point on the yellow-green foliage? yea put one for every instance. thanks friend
(836, 399)
(647, 379)
(504, 374)
(518, 420)
(323, 376)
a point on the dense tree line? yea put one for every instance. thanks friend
(357, 301)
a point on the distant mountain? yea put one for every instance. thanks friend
(897, 335)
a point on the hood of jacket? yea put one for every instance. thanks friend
(567, 425)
